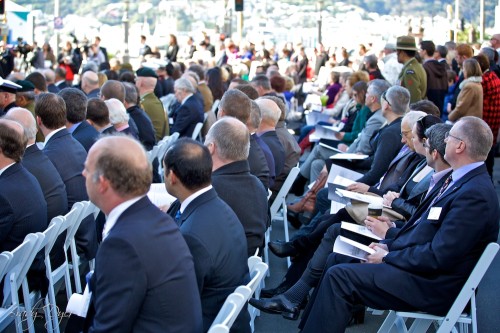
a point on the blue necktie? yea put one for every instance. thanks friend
(178, 217)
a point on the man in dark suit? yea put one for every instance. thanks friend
(267, 131)
(76, 112)
(145, 129)
(235, 103)
(144, 278)
(60, 78)
(228, 142)
(68, 157)
(20, 214)
(190, 112)
(90, 84)
(211, 229)
(434, 252)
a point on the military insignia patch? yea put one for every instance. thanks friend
(410, 71)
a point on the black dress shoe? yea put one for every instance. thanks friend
(283, 249)
(277, 305)
(271, 292)
(293, 218)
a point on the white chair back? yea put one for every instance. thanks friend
(215, 105)
(5, 258)
(257, 274)
(228, 313)
(73, 220)
(197, 132)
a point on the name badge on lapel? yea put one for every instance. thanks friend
(434, 213)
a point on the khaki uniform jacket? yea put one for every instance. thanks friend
(154, 109)
(414, 78)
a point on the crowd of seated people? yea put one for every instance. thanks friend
(428, 156)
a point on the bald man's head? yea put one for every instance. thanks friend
(127, 170)
(12, 142)
(90, 81)
(269, 110)
(27, 121)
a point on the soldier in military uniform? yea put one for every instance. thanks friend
(412, 76)
(146, 82)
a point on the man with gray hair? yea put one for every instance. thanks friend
(90, 84)
(50, 77)
(491, 54)
(267, 131)
(118, 117)
(208, 99)
(262, 84)
(228, 141)
(145, 129)
(190, 112)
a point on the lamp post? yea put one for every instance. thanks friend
(320, 18)
(126, 58)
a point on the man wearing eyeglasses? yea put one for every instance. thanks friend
(424, 267)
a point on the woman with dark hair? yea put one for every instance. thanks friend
(173, 49)
(214, 82)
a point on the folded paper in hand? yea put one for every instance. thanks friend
(159, 195)
(348, 156)
(351, 248)
(79, 304)
(370, 199)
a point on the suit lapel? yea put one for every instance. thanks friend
(193, 205)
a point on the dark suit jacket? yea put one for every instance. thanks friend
(144, 278)
(217, 242)
(187, 116)
(54, 191)
(62, 85)
(86, 134)
(144, 125)
(292, 153)
(257, 162)
(23, 209)
(68, 157)
(247, 197)
(94, 93)
(269, 159)
(437, 255)
(271, 139)
(53, 88)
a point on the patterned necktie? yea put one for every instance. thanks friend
(442, 189)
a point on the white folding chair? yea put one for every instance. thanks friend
(215, 105)
(197, 132)
(75, 258)
(278, 209)
(257, 274)
(5, 259)
(455, 315)
(22, 258)
(228, 313)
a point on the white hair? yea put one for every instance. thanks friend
(183, 83)
(117, 112)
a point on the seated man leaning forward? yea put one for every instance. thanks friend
(424, 267)
(144, 278)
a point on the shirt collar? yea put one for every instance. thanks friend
(73, 127)
(462, 171)
(116, 213)
(193, 196)
(185, 98)
(51, 134)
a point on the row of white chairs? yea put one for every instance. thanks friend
(15, 265)
(235, 301)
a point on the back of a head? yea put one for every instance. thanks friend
(97, 111)
(358, 76)
(489, 52)
(131, 93)
(76, 104)
(184, 84)
(371, 60)
(424, 123)
(378, 87)
(60, 72)
(471, 68)
(255, 116)
(477, 136)
(117, 112)
(428, 46)
(262, 81)
(198, 70)
(51, 109)
(126, 76)
(277, 83)
(113, 89)
(435, 138)
(248, 90)
(128, 170)
(90, 78)
(426, 106)
(191, 162)
(26, 119)
(236, 104)
(269, 110)
(12, 141)
(38, 81)
(399, 98)
(231, 138)
(279, 102)
(483, 61)
(442, 50)
(50, 76)
(465, 50)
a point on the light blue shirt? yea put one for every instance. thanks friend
(73, 127)
(462, 171)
